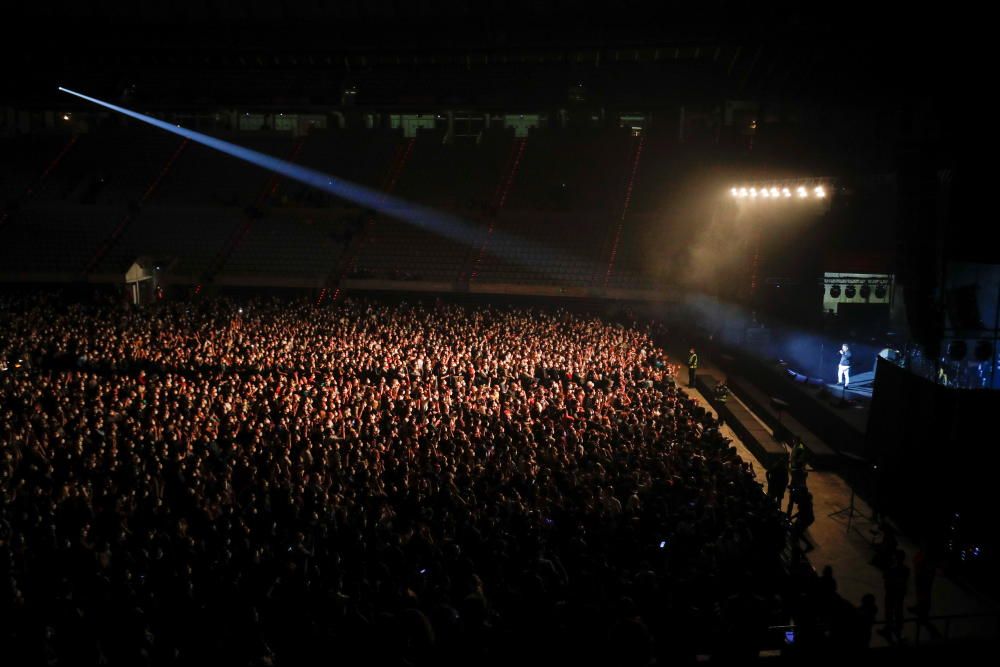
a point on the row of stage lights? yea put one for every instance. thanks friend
(801, 192)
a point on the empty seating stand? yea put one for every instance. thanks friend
(23, 160)
(399, 250)
(360, 156)
(294, 246)
(550, 248)
(71, 235)
(561, 191)
(109, 167)
(206, 177)
(191, 235)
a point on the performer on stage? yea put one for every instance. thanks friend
(692, 367)
(844, 369)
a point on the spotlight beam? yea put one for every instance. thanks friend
(430, 219)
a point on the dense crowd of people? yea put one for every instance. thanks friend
(416, 484)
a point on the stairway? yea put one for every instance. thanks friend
(636, 157)
(471, 267)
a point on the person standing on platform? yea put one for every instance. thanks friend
(844, 367)
(692, 367)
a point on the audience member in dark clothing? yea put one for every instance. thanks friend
(801, 521)
(885, 550)
(777, 481)
(798, 474)
(796, 493)
(924, 572)
(867, 612)
(896, 578)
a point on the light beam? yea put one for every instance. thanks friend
(432, 220)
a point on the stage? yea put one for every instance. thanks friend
(826, 417)
(850, 406)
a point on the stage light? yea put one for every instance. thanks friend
(835, 292)
(788, 189)
(849, 291)
(880, 291)
(866, 291)
(66, 116)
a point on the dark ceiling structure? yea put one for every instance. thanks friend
(460, 52)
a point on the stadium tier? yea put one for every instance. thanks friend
(551, 209)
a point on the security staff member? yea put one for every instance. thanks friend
(692, 366)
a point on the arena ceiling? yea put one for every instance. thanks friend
(458, 51)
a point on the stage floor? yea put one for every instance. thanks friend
(852, 393)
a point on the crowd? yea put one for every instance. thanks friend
(405, 484)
